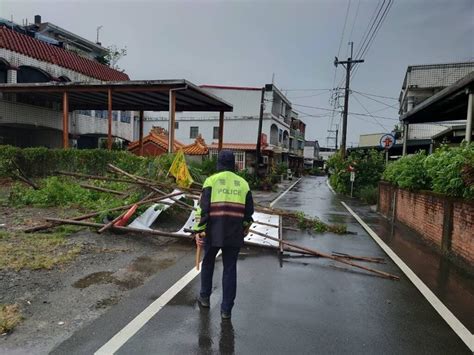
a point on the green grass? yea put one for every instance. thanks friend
(36, 250)
(318, 226)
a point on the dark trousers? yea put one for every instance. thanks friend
(229, 275)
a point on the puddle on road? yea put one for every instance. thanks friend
(133, 276)
(96, 278)
(148, 266)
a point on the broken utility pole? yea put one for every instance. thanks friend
(348, 65)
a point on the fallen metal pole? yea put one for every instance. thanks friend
(118, 228)
(328, 256)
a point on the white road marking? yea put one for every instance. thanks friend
(330, 187)
(117, 341)
(466, 336)
(284, 192)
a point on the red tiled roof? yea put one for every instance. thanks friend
(236, 146)
(199, 147)
(159, 137)
(34, 48)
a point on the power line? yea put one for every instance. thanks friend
(376, 120)
(303, 97)
(344, 27)
(355, 19)
(351, 113)
(380, 102)
(375, 32)
(383, 97)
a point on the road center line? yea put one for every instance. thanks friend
(466, 336)
(284, 192)
(117, 341)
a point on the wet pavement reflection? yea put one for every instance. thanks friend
(304, 305)
(451, 284)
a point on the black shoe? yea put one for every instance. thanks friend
(203, 302)
(225, 315)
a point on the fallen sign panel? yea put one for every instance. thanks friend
(269, 225)
(264, 223)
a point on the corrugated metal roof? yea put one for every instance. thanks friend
(45, 52)
(133, 95)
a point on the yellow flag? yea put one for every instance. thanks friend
(180, 171)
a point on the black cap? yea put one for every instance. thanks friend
(225, 160)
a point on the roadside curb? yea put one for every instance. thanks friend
(466, 336)
(284, 192)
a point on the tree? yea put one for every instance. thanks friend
(114, 54)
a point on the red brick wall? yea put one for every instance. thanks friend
(385, 199)
(462, 239)
(424, 212)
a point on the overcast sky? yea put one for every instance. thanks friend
(246, 42)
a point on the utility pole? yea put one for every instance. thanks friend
(348, 65)
(337, 134)
(258, 153)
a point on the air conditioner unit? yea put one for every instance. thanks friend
(265, 159)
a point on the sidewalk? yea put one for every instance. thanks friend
(452, 285)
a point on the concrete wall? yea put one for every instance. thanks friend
(443, 222)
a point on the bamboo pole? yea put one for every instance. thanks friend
(111, 223)
(102, 189)
(136, 178)
(145, 200)
(328, 256)
(119, 228)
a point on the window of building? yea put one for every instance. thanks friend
(100, 113)
(280, 135)
(193, 132)
(125, 116)
(239, 160)
(215, 133)
(84, 112)
(176, 124)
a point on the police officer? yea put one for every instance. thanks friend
(226, 215)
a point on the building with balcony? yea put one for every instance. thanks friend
(241, 125)
(422, 82)
(311, 154)
(43, 52)
(297, 144)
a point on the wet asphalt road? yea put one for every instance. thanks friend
(297, 305)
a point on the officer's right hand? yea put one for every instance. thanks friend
(200, 239)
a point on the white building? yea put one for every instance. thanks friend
(420, 83)
(311, 153)
(43, 52)
(241, 125)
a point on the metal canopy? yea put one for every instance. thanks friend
(136, 95)
(450, 104)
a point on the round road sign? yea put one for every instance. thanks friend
(387, 141)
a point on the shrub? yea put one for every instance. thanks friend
(449, 170)
(408, 172)
(37, 162)
(368, 194)
(368, 165)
